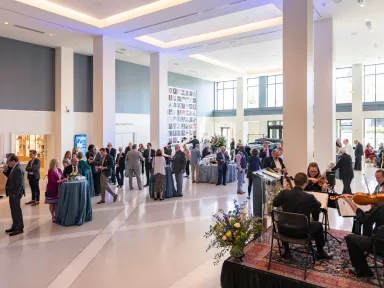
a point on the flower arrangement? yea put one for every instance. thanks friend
(75, 175)
(232, 231)
(217, 142)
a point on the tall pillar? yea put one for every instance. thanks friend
(159, 99)
(103, 91)
(298, 84)
(241, 98)
(357, 102)
(64, 101)
(325, 104)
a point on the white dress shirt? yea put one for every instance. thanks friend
(348, 149)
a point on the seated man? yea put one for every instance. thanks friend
(297, 201)
(274, 162)
(358, 245)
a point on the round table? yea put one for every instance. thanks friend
(74, 207)
(210, 174)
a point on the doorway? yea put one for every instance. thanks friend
(225, 132)
(122, 140)
(275, 129)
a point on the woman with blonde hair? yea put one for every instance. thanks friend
(55, 177)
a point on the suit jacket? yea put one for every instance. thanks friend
(96, 162)
(296, 201)
(133, 158)
(167, 151)
(194, 143)
(262, 154)
(344, 164)
(180, 161)
(359, 150)
(111, 152)
(33, 169)
(69, 169)
(127, 149)
(120, 160)
(195, 156)
(15, 181)
(149, 153)
(269, 163)
(220, 164)
(108, 164)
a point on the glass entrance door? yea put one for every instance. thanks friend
(225, 132)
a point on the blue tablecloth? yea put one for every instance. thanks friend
(74, 207)
(171, 190)
(210, 174)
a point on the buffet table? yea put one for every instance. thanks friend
(74, 207)
(170, 190)
(210, 174)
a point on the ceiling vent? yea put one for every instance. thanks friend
(29, 29)
(337, 1)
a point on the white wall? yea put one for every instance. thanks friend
(134, 123)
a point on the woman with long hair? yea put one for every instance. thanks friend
(158, 165)
(141, 150)
(67, 159)
(55, 177)
(254, 164)
(314, 174)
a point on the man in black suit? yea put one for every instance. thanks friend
(222, 159)
(74, 167)
(14, 188)
(120, 167)
(194, 142)
(344, 164)
(359, 152)
(266, 152)
(112, 151)
(168, 153)
(106, 166)
(128, 148)
(149, 155)
(274, 162)
(297, 201)
(33, 169)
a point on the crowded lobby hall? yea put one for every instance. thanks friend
(191, 143)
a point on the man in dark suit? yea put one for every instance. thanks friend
(297, 201)
(106, 172)
(168, 153)
(14, 188)
(112, 151)
(359, 152)
(222, 159)
(128, 148)
(274, 162)
(194, 142)
(33, 169)
(180, 161)
(120, 167)
(266, 152)
(149, 155)
(95, 161)
(74, 167)
(344, 165)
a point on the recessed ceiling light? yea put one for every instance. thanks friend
(6, 23)
(50, 34)
(127, 54)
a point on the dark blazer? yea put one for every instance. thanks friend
(269, 163)
(359, 149)
(121, 163)
(15, 181)
(262, 154)
(344, 164)
(220, 163)
(89, 154)
(108, 163)
(149, 153)
(180, 161)
(254, 164)
(296, 201)
(34, 169)
(194, 143)
(68, 170)
(112, 153)
(127, 149)
(96, 162)
(167, 151)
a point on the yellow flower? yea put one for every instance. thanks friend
(228, 234)
(237, 225)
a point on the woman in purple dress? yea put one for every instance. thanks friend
(55, 177)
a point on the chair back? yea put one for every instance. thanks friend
(378, 242)
(296, 223)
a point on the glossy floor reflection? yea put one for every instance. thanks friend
(134, 242)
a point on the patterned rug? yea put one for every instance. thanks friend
(324, 273)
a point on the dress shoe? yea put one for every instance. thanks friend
(323, 255)
(101, 202)
(30, 202)
(1, 196)
(217, 184)
(114, 198)
(358, 273)
(9, 230)
(146, 185)
(35, 203)
(193, 181)
(17, 232)
(224, 184)
(161, 199)
(240, 192)
(178, 195)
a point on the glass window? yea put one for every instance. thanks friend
(225, 95)
(374, 131)
(275, 91)
(344, 72)
(380, 87)
(369, 87)
(220, 100)
(343, 85)
(271, 92)
(370, 70)
(228, 84)
(228, 99)
(253, 93)
(253, 82)
(344, 129)
(373, 83)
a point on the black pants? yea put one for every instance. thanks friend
(17, 215)
(316, 231)
(250, 186)
(367, 228)
(222, 175)
(96, 183)
(120, 176)
(34, 184)
(357, 246)
(358, 163)
(148, 172)
(113, 176)
(347, 185)
(316, 214)
(187, 168)
(142, 167)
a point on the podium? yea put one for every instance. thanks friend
(265, 185)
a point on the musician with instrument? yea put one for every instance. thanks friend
(344, 165)
(275, 162)
(297, 201)
(379, 175)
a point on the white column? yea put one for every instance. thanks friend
(298, 84)
(325, 104)
(63, 102)
(159, 100)
(241, 98)
(357, 102)
(103, 91)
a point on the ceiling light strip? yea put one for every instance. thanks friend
(217, 63)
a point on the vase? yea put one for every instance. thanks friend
(237, 253)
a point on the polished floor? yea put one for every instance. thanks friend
(135, 242)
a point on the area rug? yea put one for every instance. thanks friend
(324, 273)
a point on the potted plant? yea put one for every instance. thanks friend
(232, 231)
